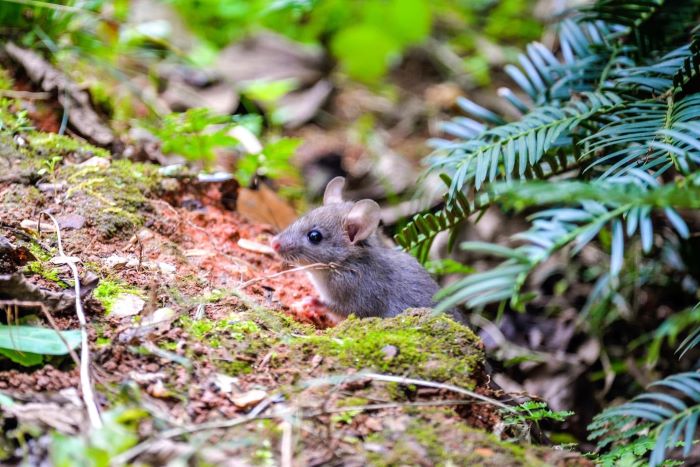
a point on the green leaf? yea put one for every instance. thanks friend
(5, 400)
(32, 339)
(269, 91)
(364, 51)
(22, 358)
(408, 20)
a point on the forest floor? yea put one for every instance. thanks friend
(201, 350)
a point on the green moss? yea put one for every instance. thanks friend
(208, 330)
(22, 196)
(170, 346)
(109, 289)
(44, 270)
(39, 252)
(352, 402)
(112, 198)
(239, 334)
(437, 436)
(47, 145)
(6, 81)
(426, 346)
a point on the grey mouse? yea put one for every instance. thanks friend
(366, 278)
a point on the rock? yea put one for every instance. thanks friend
(390, 351)
(166, 268)
(51, 188)
(96, 161)
(255, 247)
(71, 221)
(115, 261)
(250, 398)
(127, 305)
(225, 383)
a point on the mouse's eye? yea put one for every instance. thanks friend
(315, 237)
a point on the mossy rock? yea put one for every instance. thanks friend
(322, 372)
(417, 342)
(112, 198)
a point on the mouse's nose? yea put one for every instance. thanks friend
(275, 244)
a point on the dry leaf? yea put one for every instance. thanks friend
(265, 206)
(250, 398)
(484, 452)
(127, 305)
(255, 246)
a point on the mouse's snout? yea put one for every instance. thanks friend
(275, 244)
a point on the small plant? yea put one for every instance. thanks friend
(532, 412)
(660, 419)
(197, 135)
(99, 446)
(49, 166)
(31, 345)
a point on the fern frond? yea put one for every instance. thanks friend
(420, 232)
(550, 232)
(686, 77)
(669, 128)
(624, 204)
(659, 77)
(651, 24)
(670, 413)
(630, 14)
(547, 79)
(520, 146)
(691, 341)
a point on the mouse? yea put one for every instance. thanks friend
(364, 277)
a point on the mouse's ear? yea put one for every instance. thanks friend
(334, 191)
(362, 220)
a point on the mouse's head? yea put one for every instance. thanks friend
(333, 232)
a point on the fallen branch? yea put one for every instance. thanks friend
(432, 384)
(85, 381)
(387, 405)
(335, 380)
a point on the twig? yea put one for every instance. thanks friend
(286, 450)
(417, 382)
(85, 382)
(27, 95)
(287, 271)
(388, 405)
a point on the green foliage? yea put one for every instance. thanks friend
(273, 162)
(198, 134)
(109, 290)
(366, 37)
(605, 153)
(99, 446)
(604, 115)
(533, 412)
(195, 134)
(27, 345)
(668, 415)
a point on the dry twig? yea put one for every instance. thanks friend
(85, 381)
(287, 271)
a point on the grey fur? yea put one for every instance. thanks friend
(370, 279)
